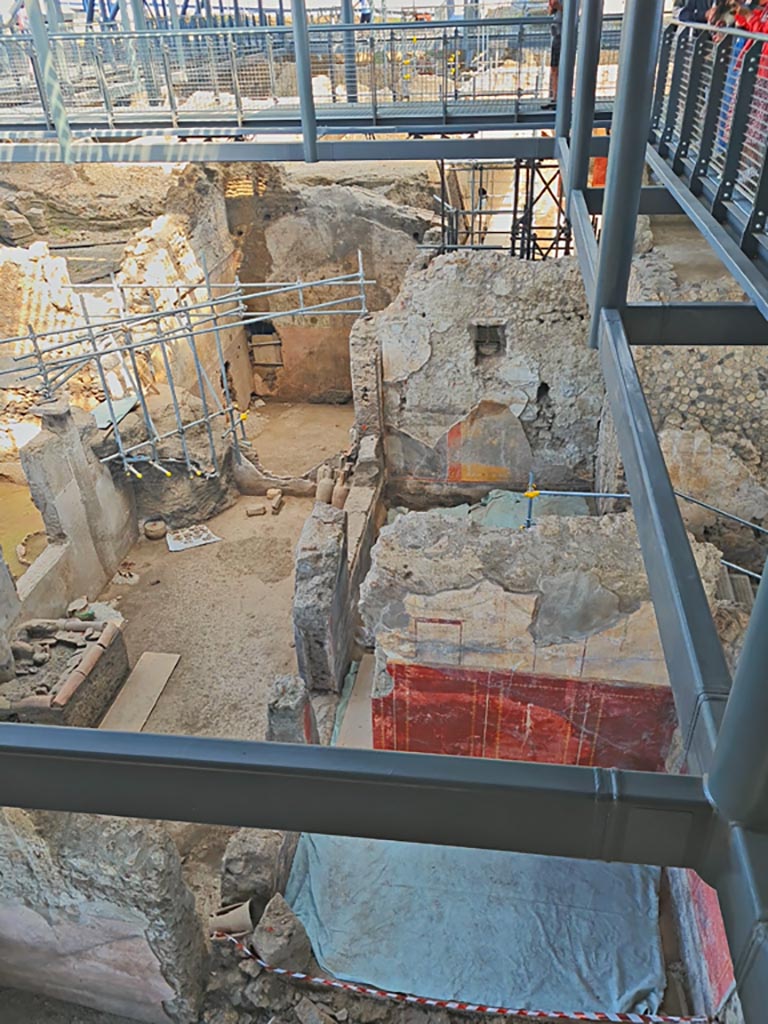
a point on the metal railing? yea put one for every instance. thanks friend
(710, 122)
(111, 78)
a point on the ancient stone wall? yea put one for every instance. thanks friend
(321, 614)
(709, 404)
(89, 519)
(94, 910)
(551, 628)
(294, 226)
(486, 378)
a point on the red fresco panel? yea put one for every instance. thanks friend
(519, 716)
(712, 938)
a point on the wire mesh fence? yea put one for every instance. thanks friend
(712, 113)
(237, 74)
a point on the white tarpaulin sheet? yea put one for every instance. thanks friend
(502, 929)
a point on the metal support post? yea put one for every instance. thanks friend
(53, 99)
(142, 47)
(55, 15)
(590, 32)
(567, 66)
(350, 59)
(626, 155)
(738, 782)
(304, 79)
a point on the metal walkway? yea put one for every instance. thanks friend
(113, 86)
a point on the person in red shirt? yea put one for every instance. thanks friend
(753, 151)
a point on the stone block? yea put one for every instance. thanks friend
(94, 910)
(15, 229)
(280, 938)
(290, 716)
(310, 1013)
(321, 598)
(250, 868)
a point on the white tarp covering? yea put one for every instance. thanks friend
(503, 929)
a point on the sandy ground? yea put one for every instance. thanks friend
(291, 439)
(226, 608)
(19, 518)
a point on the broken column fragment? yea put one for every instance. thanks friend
(321, 599)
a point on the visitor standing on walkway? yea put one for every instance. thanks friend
(366, 11)
(556, 29)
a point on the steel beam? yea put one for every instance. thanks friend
(736, 262)
(698, 673)
(131, 150)
(632, 116)
(694, 323)
(304, 80)
(738, 781)
(590, 33)
(588, 813)
(567, 66)
(586, 243)
(654, 201)
(741, 878)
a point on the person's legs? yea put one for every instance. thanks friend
(365, 17)
(554, 71)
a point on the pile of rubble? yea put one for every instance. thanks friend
(53, 659)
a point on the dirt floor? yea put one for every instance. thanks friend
(291, 438)
(26, 1008)
(226, 608)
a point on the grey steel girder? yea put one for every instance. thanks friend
(590, 813)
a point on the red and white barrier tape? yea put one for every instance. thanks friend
(452, 1004)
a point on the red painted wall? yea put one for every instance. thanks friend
(518, 716)
(712, 939)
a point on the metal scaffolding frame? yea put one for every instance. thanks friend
(44, 362)
(713, 819)
(526, 219)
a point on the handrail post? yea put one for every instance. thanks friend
(350, 56)
(304, 80)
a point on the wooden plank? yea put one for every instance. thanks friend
(356, 726)
(140, 692)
